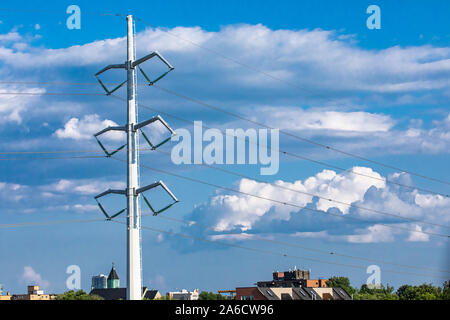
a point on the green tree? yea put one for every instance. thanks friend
(446, 291)
(77, 295)
(342, 282)
(205, 295)
(424, 291)
(376, 293)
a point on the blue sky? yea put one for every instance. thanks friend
(383, 94)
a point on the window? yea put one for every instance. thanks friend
(247, 298)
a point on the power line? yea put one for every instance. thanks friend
(324, 164)
(62, 151)
(56, 222)
(331, 148)
(60, 12)
(275, 252)
(259, 123)
(64, 83)
(282, 131)
(228, 58)
(251, 236)
(315, 195)
(279, 201)
(51, 158)
(235, 174)
(51, 94)
(235, 115)
(47, 223)
(256, 237)
(279, 150)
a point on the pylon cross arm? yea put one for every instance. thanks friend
(151, 55)
(111, 66)
(114, 128)
(149, 121)
(147, 57)
(154, 185)
(109, 191)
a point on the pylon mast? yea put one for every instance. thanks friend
(134, 281)
(133, 190)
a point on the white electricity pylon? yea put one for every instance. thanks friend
(133, 190)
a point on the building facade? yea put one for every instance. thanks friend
(121, 293)
(3, 296)
(292, 278)
(184, 295)
(113, 280)
(99, 282)
(292, 285)
(34, 293)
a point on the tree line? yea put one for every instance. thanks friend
(425, 291)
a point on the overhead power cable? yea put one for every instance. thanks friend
(276, 253)
(259, 123)
(315, 195)
(51, 158)
(47, 223)
(324, 164)
(65, 83)
(235, 115)
(50, 94)
(282, 202)
(222, 170)
(253, 236)
(353, 155)
(280, 151)
(61, 151)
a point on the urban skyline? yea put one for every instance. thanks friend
(363, 120)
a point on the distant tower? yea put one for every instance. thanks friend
(113, 279)
(99, 282)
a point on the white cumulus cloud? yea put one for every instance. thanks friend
(31, 277)
(83, 129)
(226, 212)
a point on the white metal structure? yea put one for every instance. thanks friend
(133, 191)
(134, 280)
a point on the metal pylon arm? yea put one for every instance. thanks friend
(112, 128)
(147, 57)
(147, 122)
(151, 55)
(116, 128)
(111, 66)
(109, 191)
(154, 185)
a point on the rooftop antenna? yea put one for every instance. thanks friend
(133, 190)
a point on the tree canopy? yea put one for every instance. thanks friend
(425, 291)
(342, 282)
(205, 295)
(77, 295)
